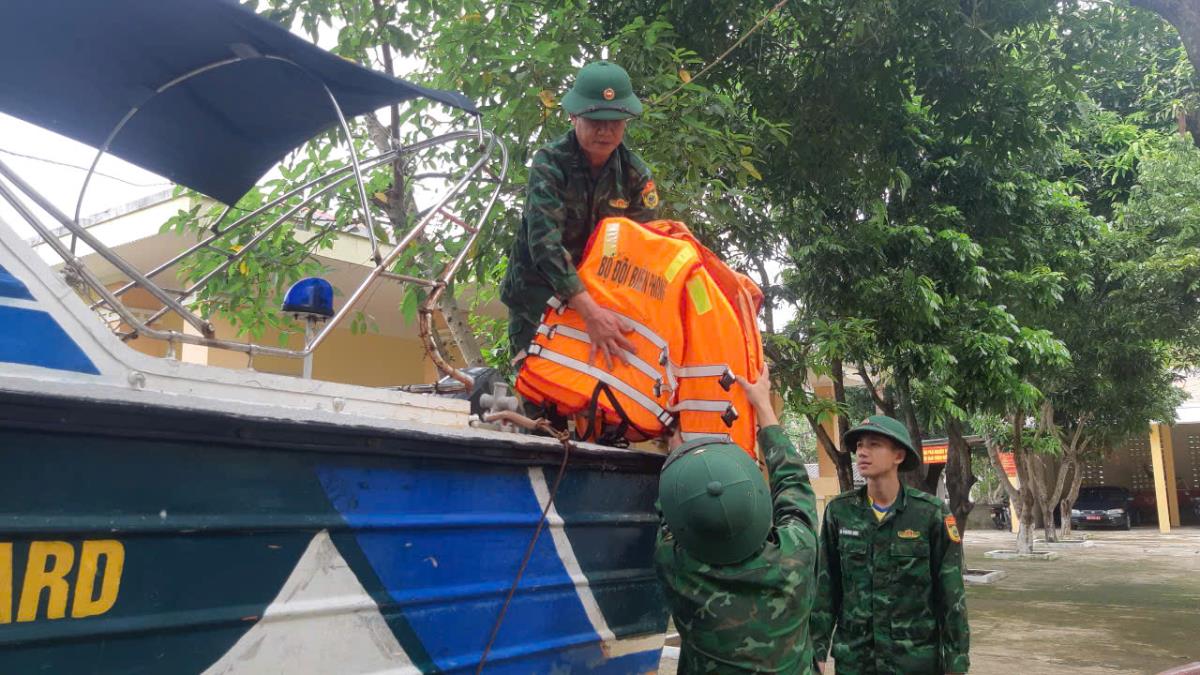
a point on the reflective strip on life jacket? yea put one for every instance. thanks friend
(727, 378)
(692, 436)
(664, 417)
(729, 414)
(633, 359)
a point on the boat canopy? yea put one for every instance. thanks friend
(203, 92)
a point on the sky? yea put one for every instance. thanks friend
(61, 184)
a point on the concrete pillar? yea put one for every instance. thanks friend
(1013, 523)
(1168, 449)
(192, 353)
(826, 485)
(1163, 491)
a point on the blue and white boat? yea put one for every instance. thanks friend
(158, 516)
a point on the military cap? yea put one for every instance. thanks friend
(602, 91)
(891, 428)
(715, 501)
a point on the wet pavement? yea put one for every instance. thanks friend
(1128, 604)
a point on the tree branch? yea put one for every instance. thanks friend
(883, 405)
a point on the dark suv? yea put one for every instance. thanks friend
(1103, 505)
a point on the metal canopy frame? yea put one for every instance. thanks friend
(488, 145)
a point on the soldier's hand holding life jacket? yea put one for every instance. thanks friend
(759, 394)
(605, 328)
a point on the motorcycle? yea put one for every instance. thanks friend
(1000, 517)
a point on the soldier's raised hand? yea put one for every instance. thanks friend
(759, 393)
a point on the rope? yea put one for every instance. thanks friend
(725, 53)
(563, 438)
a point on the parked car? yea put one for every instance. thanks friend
(1107, 505)
(1145, 505)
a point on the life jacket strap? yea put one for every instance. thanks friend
(664, 416)
(697, 435)
(729, 413)
(633, 359)
(724, 372)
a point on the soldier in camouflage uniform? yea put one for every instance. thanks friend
(574, 182)
(890, 589)
(737, 557)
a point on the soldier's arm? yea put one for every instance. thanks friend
(949, 597)
(545, 217)
(791, 491)
(828, 606)
(792, 494)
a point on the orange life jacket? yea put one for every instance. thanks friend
(694, 332)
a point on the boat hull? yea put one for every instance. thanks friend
(146, 539)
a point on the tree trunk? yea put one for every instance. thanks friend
(1068, 500)
(1016, 496)
(458, 321)
(1039, 467)
(959, 477)
(926, 476)
(1025, 502)
(1025, 530)
(841, 460)
(844, 459)
(399, 207)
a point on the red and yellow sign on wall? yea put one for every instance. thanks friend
(1009, 463)
(935, 453)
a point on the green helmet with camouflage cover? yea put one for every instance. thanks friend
(602, 91)
(715, 501)
(891, 428)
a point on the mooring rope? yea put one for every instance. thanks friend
(564, 438)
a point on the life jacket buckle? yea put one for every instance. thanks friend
(729, 416)
(727, 380)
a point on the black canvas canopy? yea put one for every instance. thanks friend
(77, 67)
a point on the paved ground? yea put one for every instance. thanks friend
(1128, 604)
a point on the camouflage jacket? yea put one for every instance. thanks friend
(752, 616)
(563, 203)
(892, 589)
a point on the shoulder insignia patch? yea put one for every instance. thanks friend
(908, 534)
(650, 195)
(618, 203)
(952, 529)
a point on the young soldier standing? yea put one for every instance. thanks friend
(736, 556)
(890, 589)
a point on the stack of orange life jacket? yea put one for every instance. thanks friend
(695, 331)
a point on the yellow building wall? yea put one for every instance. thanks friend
(370, 359)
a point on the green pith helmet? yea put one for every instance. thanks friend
(885, 426)
(715, 501)
(602, 91)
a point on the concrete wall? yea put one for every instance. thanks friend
(1131, 466)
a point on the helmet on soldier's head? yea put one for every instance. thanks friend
(715, 501)
(891, 428)
(602, 91)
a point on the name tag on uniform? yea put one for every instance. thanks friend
(847, 532)
(908, 534)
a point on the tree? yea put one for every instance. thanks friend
(1184, 15)
(514, 60)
